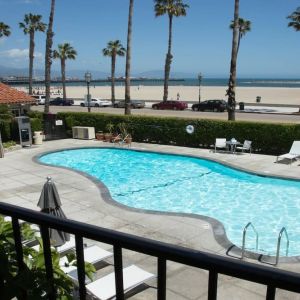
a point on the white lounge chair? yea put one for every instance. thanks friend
(92, 255)
(104, 288)
(293, 154)
(246, 146)
(220, 143)
(69, 245)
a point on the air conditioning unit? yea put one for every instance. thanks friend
(83, 133)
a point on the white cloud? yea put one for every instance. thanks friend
(15, 53)
(29, 1)
(19, 54)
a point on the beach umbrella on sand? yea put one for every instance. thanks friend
(50, 203)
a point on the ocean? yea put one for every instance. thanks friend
(244, 82)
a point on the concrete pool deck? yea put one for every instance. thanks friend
(22, 179)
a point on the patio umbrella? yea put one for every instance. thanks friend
(1, 148)
(50, 204)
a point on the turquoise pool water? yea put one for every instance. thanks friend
(190, 185)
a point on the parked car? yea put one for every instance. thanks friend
(96, 102)
(61, 101)
(134, 104)
(210, 105)
(170, 104)
(40, 99)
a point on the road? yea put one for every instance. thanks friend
(240, 116)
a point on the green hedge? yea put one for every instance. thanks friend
(266, 138)
(5, 129)
(9, 129)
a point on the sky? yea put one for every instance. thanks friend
(201, 40)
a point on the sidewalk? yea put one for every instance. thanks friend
(269, 109)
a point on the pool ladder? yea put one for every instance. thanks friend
(282, 231)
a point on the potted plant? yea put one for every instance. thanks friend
(128, 139)
(108, 135)
(124, 133)
(100, 136)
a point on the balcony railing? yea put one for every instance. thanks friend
(214, 264)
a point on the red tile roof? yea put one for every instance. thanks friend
(10, 95)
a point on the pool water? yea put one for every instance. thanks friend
(171, 183)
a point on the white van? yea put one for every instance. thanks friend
(40, 99)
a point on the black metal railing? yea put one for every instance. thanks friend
(214, 264)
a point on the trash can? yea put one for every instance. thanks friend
(242, 105)
(258, 98)
(38, 137)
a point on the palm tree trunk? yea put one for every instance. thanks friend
(128, 60)
(232, 79)
(63, 77)
(31, 51)
(238, 46)
(48, 57)
(113, 67)
(168, 61)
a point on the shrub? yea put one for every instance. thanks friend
(266, 138)
(5, 130)
(36, 124)
(35, 114)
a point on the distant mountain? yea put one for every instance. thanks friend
(8, 71)
(160, 74)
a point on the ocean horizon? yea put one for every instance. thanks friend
(243, 82)
(218, 82)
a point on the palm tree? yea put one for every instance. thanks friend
(244, 27)
(234, 52)
(128, 60)
(32, 23)
(48, 58)
(295, 23)
(113, 49)
(4, 30)
(295, 17)
(173, 8)
(65, 51)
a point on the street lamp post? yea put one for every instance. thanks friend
(200, 80)
(88, 78)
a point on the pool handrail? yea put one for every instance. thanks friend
(283, 230)
(244, 238)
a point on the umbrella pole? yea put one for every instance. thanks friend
(1, 148)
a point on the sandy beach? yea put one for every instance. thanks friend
(190, 93)
(269, 95)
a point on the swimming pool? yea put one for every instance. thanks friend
(180, 184)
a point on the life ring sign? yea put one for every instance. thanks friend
(190, 129)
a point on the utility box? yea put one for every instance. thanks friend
(83, 133)
(24, 131)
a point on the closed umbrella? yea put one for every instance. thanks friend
(50, 203)
(1, 148)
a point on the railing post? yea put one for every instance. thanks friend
(80, 266)
(19, 248)
(48, 260)
(212, 285)
(118, 272)
(271, 291)
(161, 278)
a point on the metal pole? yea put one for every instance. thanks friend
(1, 148)
(89, 100)
(200, 79)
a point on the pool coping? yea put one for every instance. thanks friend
(217, 227)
